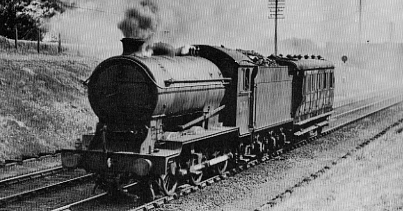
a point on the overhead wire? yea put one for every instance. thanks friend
(313, 21)
(91, 9)
(325, 20)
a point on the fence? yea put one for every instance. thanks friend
(32, 46)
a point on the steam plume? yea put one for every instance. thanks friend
(141, 21)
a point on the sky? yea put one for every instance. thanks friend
(232, 23)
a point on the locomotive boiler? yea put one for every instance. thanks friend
(179, 113)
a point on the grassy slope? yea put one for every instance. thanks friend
(43, 105)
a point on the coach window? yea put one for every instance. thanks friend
(321, 81)
(319, 87)
(315, 82)
(246, 82)
(322, 78)
(313, 87)
(331, 80)
(307, 83)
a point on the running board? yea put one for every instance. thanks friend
(312, 128)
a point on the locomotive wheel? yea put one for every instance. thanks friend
(147, 191)
(220, 167)
(168, 183)
(149, 195)
(195, 179)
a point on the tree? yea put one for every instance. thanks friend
(27, 16)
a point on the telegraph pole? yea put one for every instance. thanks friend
(276, 12)
(360, 21)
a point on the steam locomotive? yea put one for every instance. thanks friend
(178, 114)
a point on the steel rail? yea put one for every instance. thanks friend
(368, 96)
(363, 107)
(11, 163)
(68, 207)
(360, 117)
(91, 198)
(20, 178)
(25, 194)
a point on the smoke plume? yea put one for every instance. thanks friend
(97, 25)
(141, 21)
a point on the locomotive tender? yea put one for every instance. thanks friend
(164, 118)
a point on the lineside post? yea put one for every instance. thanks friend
(59, 47)
(276, 12)
(39, 37)
(16, 38)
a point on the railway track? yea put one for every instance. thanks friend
(389, 101)
(365, 97)
(361, 112)
(29, 166)
(16, 162)
(27, 186)
(95, 197)
(182, 190)
(13, 180)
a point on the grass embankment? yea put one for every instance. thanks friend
(370, 179)
(43, 105)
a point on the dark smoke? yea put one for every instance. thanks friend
(141, 21)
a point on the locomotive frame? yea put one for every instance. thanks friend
(211, 106)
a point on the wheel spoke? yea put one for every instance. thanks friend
(195, 179)
(220, 167)
(168, 184)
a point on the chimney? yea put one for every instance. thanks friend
(132, 45)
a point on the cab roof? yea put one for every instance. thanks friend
(221, 51)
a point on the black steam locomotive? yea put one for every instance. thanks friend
(176, 115)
